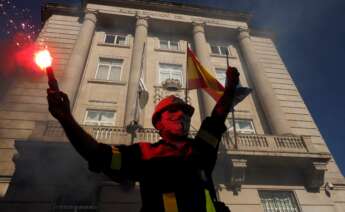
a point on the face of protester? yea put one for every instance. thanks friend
(174, 122)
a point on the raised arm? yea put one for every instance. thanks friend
(59, 107)
(224, 104)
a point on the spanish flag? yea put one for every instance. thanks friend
(199, 77)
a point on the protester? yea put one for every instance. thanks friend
(174, 173)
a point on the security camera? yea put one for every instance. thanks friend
(329, 186)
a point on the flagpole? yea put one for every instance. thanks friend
(233, 108)
(186, 80)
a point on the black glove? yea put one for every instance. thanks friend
(221, 207)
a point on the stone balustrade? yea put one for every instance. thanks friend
(245, 142)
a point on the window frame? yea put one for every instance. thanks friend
(218, 70)
(109, 69)
(295, 203)
(169, 45)
(115, 39)
(219, 52)
(238, 130)
(173, 64)
(99, 123)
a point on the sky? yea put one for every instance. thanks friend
(310, 37)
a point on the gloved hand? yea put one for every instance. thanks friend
(221, 207)
(59, 105)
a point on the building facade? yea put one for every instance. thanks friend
(105, 54)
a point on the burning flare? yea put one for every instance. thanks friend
(43, 59)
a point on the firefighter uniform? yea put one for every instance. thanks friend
(172, 177)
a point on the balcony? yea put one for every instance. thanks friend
(251, 150)
(247, 144)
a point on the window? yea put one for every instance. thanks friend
(170, 71)
(278, 201)
(169, 45)
(115, 39)
(220, 50)
(100, 117)
(109, 69)
(221, 75)
(244, 126)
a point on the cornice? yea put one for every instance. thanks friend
(173, 7)
(56, 8)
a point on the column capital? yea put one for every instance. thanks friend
(141, 20)
(243, 33)
(91, 15)
(198, 27)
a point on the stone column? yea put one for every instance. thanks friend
(206, 103)
(76, 64)
(134, 73)
(264, 91)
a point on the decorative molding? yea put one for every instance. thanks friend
(172, 84)
(107, 82)
(316, 175)
(238, 169)
(116, 10)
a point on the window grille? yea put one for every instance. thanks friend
(109, 69)
(278, 201)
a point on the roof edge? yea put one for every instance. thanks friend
(176, 7)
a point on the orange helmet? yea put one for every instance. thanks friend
(168, 102)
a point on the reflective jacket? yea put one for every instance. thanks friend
(172, 176)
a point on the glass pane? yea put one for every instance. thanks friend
(223, 50)
(105, 61)
(109, 38)
(102, 73)
(177, 76)
(107, 118)
(121, 40)
(221, 75)
(115, 73)
(163, 44)
(163, 76)
(173, 45)
(245, 124)
(116, 62)
(92, 115)
(214, 50)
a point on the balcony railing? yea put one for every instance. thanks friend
(249, 150)
(245, 142)
(267, 143)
